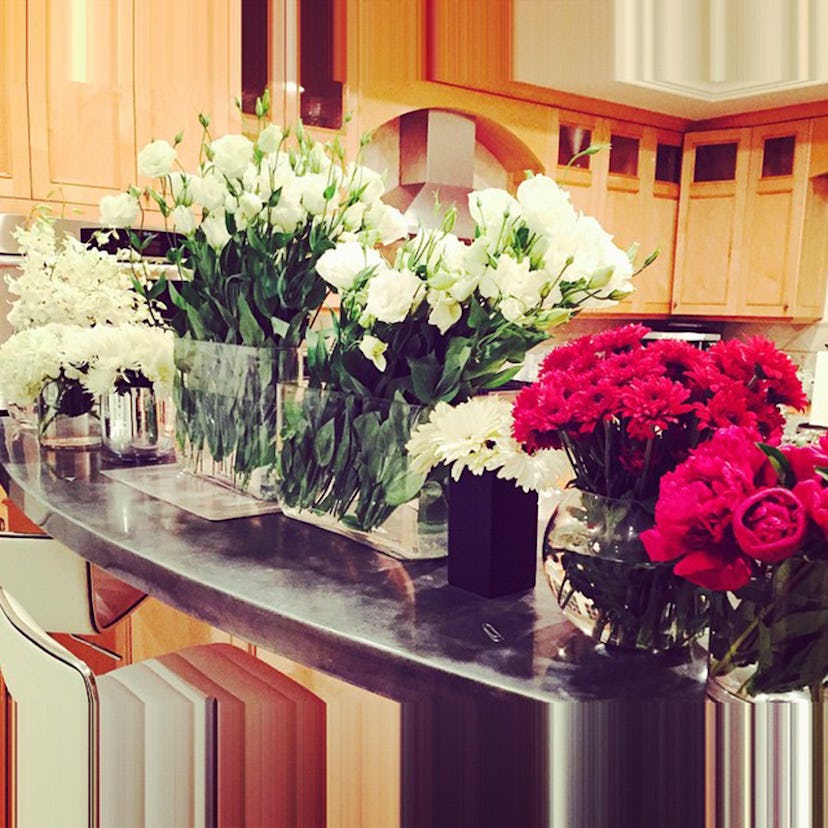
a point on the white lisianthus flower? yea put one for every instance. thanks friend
(546, 206)
(250, 205)
(374, 349)
(445, 310)
(121, 210)
(208, 191)
(388, 222)
(269, 138)
(353, 215)
(183, 220)
(366, 182)
(313, 192)
(512, 308)
(215, 231)
(156, 159)
(393, 294)
(491, 207)
(340, 265)
(232, 154)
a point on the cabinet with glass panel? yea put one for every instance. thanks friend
(752, 222)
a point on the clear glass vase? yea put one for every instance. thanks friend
(68, 416)
(344, 467)
(606, 585)
(770, 638)
(138, 424)
(225, 402)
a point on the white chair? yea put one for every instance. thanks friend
(173, 741)
(60, 590)
(55, 732)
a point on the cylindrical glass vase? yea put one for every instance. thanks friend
(138, 424)
(605, 583)
(68, 417)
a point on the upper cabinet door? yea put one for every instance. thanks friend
(80, 98)
(187, 61)
(711, 217)
(14, 119)
(776, 187)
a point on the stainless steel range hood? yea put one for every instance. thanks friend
(436, 165)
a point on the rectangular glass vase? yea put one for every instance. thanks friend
(225, 400)
(344, 467)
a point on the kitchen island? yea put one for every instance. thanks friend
(509, 715)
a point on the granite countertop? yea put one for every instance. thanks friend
(328, 602)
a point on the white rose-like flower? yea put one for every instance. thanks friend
(232, 154)
(491, 207)
(269, 138)
(353, 216)
(156, 159)
(374, 349)
(388, 222)
(119, 210)
(445, 310)
(183, 220)
(215, 231)
(208, 191)
(313, 192)
(393, 294)
(340, 265)
(250, 205)
(546, 206)
(366, 182)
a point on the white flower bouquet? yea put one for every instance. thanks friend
(251, 224)
(66, 368)
(446, 321)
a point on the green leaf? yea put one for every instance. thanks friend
(251, 331)
(403, 488)
(425, 373)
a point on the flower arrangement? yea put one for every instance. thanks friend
(251, 224)
(626, 412)
(449, 319)
(444, 322)
(98, 358)
(750, 522)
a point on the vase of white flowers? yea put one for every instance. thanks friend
(444, 321)
(252, 222)
(137, 420)
(66, 369)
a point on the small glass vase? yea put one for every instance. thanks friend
(344, 468)
(225, 402)
(604, 582)
(767, 681)
(68, 417)
(770, 638)
(138, 424)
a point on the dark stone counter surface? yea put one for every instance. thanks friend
(392, 627)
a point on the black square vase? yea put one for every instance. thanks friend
(492, 535)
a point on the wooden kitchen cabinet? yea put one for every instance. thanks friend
(635, 196)
(82, 130)
(750, 240)
(14, 122)
(177, 77)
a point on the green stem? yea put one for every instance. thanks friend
(719, 667)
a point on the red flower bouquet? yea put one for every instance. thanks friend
(753, 520)
(627, 412)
